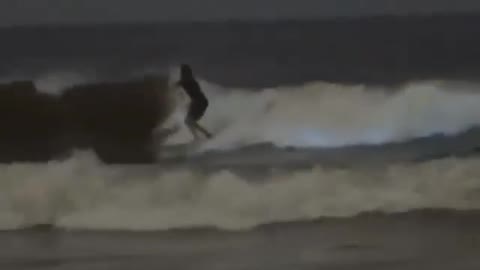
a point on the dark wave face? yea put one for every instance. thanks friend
(116, 119)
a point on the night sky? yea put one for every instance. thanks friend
(14, 12)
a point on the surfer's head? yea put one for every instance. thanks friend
(186, 72)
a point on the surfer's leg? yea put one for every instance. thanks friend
(190, 124)
(203, 130)
(196, 111)
(194, 127)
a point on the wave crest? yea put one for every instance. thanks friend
(330, 115)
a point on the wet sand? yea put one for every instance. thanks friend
(416, 240)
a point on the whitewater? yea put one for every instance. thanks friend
(83, 193)
(321, 114)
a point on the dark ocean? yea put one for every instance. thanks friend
(343, 143)
(359, 50)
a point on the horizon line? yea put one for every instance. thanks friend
(419, 14)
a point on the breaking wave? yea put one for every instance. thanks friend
(321, 114)
(81, 193)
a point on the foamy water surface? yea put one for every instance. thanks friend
(81, 193)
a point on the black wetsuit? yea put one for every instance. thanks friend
(199, 102)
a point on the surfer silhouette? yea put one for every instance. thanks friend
(198, 101)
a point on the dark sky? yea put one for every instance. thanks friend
(65, 11)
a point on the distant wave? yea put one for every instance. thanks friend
(81, 193)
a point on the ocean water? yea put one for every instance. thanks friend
(344, 144)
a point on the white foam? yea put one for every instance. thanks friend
(81, 193)
(55, 82)
(331, 115)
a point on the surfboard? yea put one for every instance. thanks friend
(182, 150)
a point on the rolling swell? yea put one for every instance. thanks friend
(115, 119)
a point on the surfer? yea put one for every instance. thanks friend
(198, 101)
